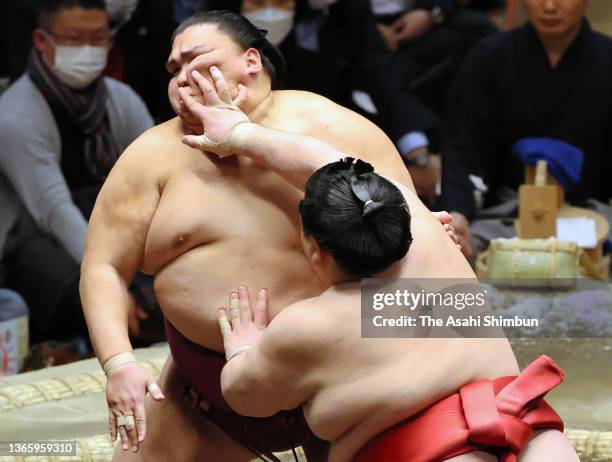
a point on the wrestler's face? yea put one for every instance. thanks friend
(198, 48)
(556, 17)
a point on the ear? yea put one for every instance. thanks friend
(254, 63)
(319, 255)
(312, 249)
(39, 40)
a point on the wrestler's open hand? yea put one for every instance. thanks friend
(219, 114)
(246, 324)
(126, 389)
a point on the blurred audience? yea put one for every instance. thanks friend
(141, 30)
(120, 12)
(62, 127)
(431, 38)
(142, 46)
(550, 78)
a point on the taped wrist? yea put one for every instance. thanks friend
(118, 360)
(239, 135)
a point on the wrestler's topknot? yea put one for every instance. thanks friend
(359, 217)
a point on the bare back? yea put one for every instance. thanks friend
(362, 386)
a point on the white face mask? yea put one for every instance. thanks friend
(276, 21)
(320, 4)
(78, 66)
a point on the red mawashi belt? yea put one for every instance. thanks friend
(497, 416)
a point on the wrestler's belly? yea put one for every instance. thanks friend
(191, 288)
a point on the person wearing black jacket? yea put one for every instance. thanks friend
(550, 78)
(431, 37)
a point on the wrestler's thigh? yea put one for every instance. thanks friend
(549, 446)
(478, 456)
(177, 432)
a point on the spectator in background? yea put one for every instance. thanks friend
(62, 127)
(142, 46)
(333, 47)
(431, 38)
(20, 17)
(550, 78)
(141, 31)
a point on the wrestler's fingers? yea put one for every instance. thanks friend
(211, 97)
(112, 424)
(141, 421)
(242, 95)
(154, 390)
(192, 105)
(234, 310)
(451, 232)
(224, 325)
(260, 317)
(246, 316)
(221, 84)
(444, 217)
(196, 141)
(132, 433)
(125, 442)
(127, 426)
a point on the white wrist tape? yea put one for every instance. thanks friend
(231, 142)
(239, 136)
(118, 360)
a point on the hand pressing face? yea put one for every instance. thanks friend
(198, 48)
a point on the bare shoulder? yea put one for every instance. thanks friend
(152, 144)
(153, 154)
(313, 113)
(348, 132)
